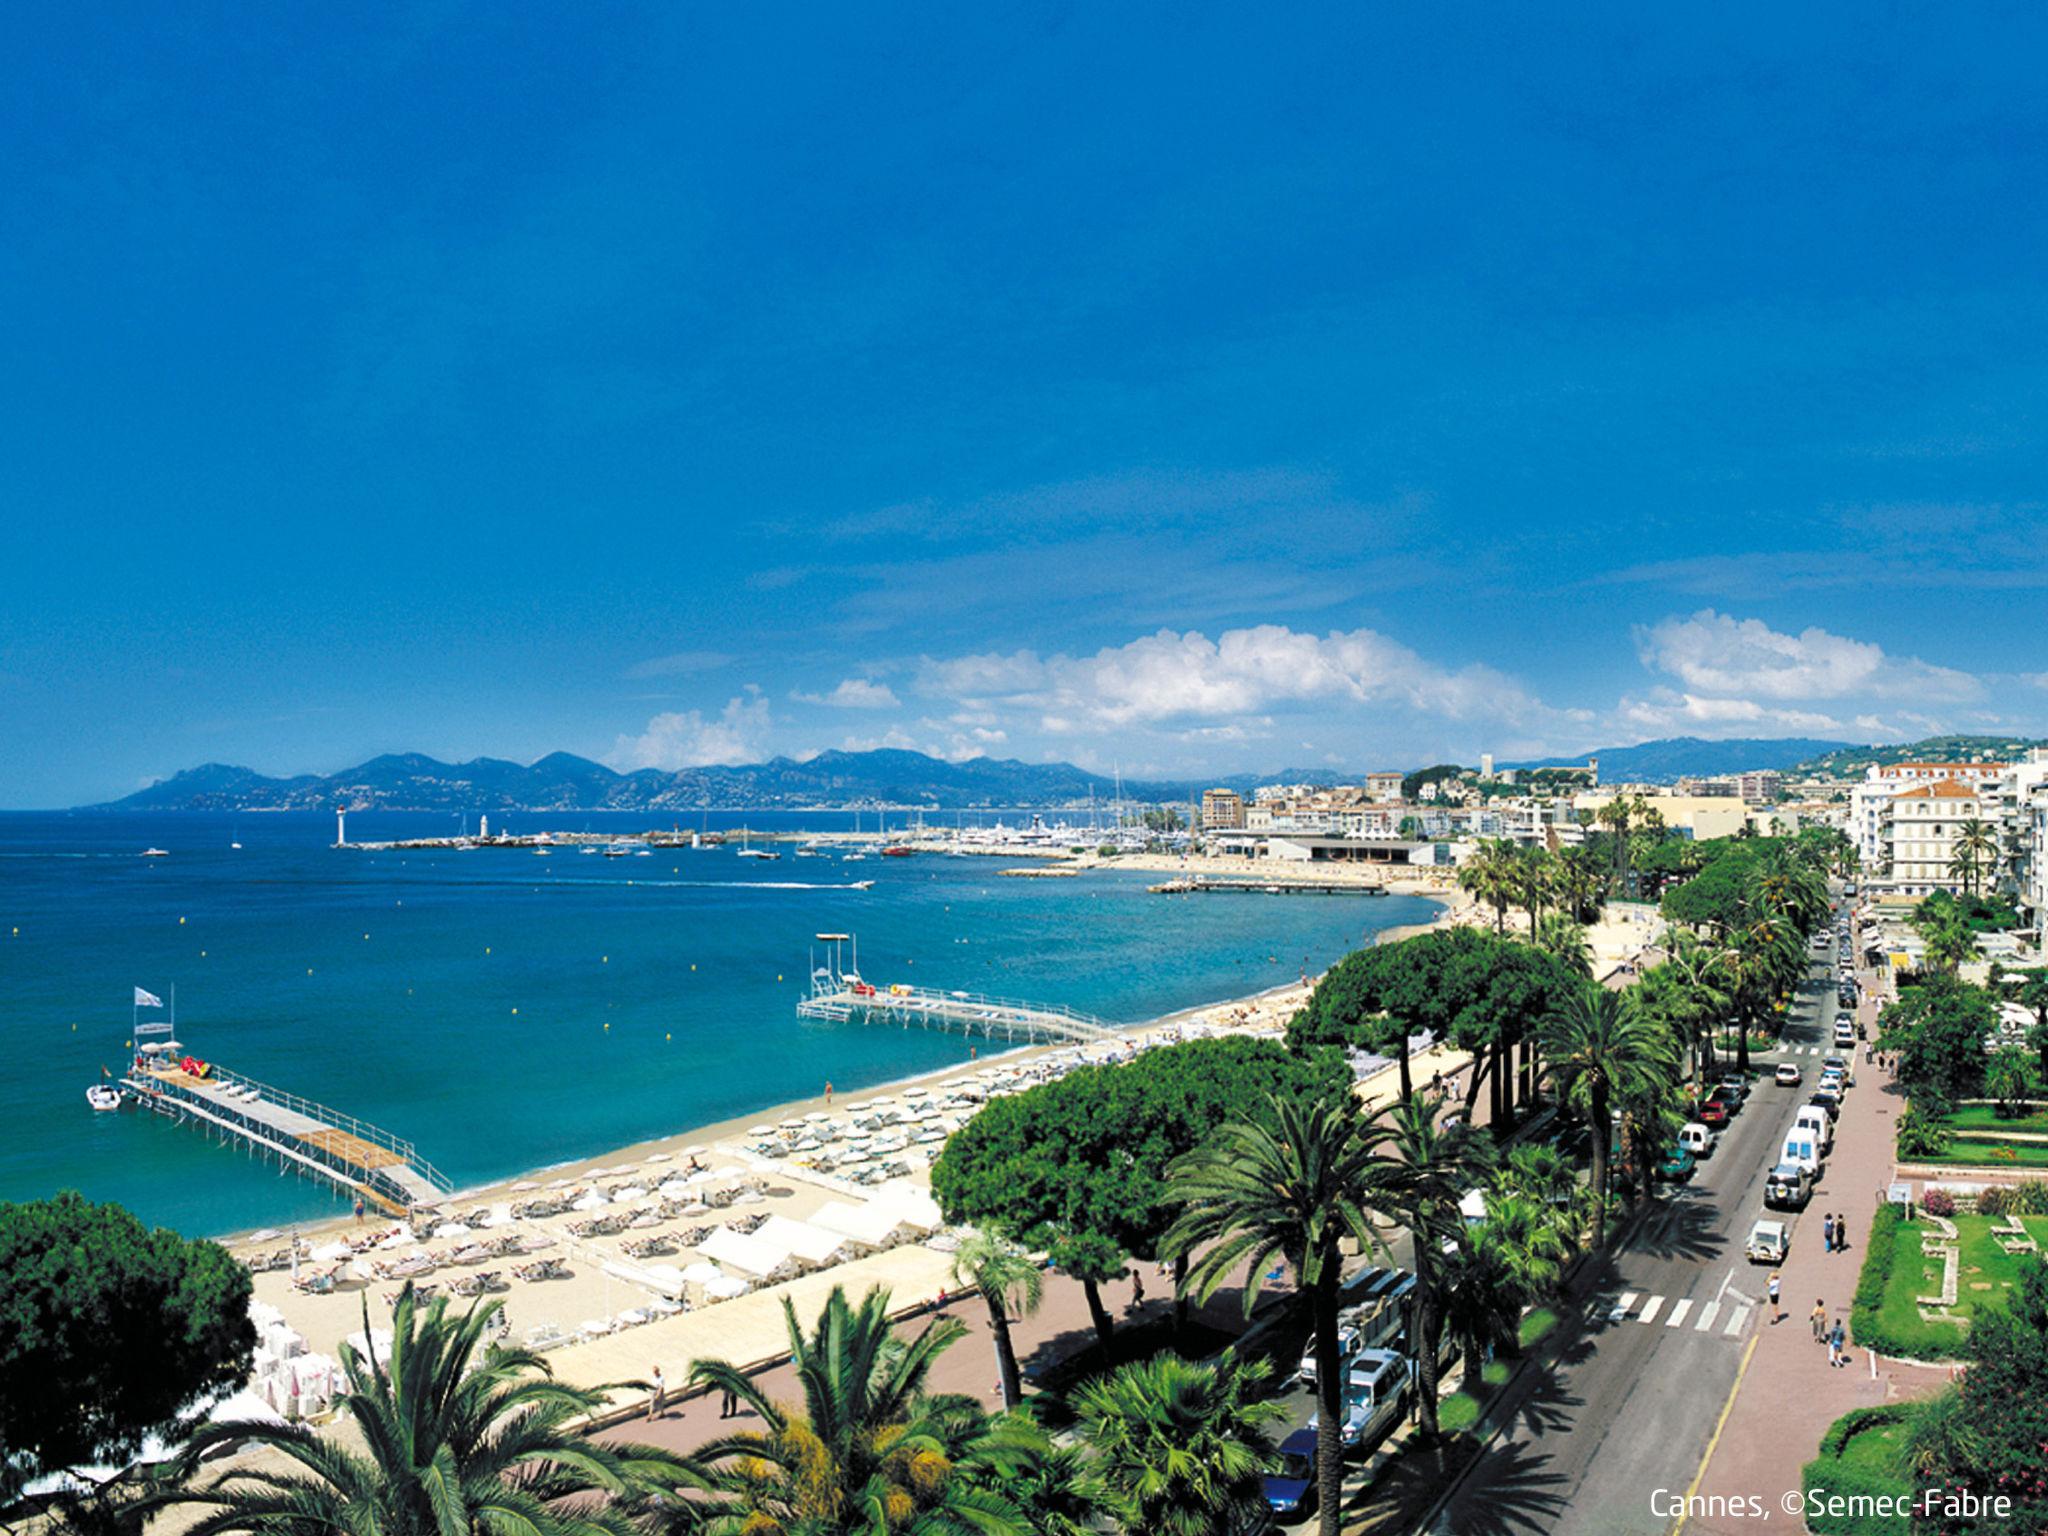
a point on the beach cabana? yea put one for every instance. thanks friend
(741, 1251)
(800, 1239)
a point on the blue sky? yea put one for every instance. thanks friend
(1184, 388)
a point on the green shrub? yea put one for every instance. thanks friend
(1994, 1200)
(1836, 1473)
(2030, 1197)
(1871, 1280)
(1938, 1202)
(1921, 1134)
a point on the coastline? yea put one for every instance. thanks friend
(734, 1127)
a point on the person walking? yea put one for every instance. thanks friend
(1777, 1316)
(728, 1404)
(1841, 1233)
(658, 1398)
(359, 1210)
(1818, 1318)
(1827, 1233)
(1835, 1355)
(1137, 1288)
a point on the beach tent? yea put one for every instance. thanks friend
(738, 1250)
(869, 1225)
(725, 1287)
(802, 1240)
(912, 1207)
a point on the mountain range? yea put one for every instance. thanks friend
(562, 781)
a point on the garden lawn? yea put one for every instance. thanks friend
(1985, 1117)
(1987, 1273)
(1862, 1454)
(1987, 1154)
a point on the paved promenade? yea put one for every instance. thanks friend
(1787, 1394)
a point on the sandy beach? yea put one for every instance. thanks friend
(609, 1311)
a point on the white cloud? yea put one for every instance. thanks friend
(678, 664)
(1185, 678)
(1666, 712)
(687, 739)
(853, 693)
(1715, 654)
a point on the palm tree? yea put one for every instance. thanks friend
(1440, 1165)
(1007, 1277)
(1179, 1447)
(1650, 1117)
(458, 1436)
(1565, 937)
(1498, 1267)
(1489, 874)
(1048, 1480)
(1976, 850)
(1295, 1188)
(1533, 883)
(1689, 992)
(1601, 1046)
(867, 1451)
(1581, 878)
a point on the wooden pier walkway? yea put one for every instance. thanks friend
(1282, 887)
(309, 1137)
(839, 1001)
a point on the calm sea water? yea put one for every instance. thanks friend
(506, 1011)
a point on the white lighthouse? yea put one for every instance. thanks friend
(340, 828)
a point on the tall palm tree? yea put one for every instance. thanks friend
(1581, 878)
(1976, 850)
(1296, 1188)
(1179, 1447)
(866, 1452)
(1489, 874)
(1007, 1277)
(1498, 1267)
(1600, 1047)
(1440, 1165)
(1565, 937)
(458, 1436)
(1689, 991)
(1533, 883)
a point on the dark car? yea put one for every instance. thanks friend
(1738, 1087)
(1291, 1490)
(1722, 1094)
(1827, 1099)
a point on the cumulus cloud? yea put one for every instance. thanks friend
(1666, 712)
(1716, 654)
(1185, 678)
(853, 693)
(690, 739)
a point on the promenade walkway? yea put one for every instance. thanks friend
(1787, 1394)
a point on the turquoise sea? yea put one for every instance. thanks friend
(505, 1011)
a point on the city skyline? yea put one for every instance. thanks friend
(1153, 390)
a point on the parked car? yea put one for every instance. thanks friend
(1291, 1487)
(1726, 1096)
(1375, 1397)
(1769, 1242)
(1347, 1346)
(1735, 1085)
(1713, 1112)
(1698, 1139)
(1677, 1167)
(1788, 1074)
(1828, 1096)
(1789, 1187)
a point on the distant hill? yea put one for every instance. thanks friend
(1849, 762)
(1673, 757)
(563, 782)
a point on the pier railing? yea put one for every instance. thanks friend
(837, 1002)
(338, 1120)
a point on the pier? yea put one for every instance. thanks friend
(1195, 883)
(302, 1135)
(840, 995)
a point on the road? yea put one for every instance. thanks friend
(1649, 1351)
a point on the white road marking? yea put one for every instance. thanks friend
(1708, 1313)
(1621, 1307)
(1650, 1309)
(1736, 1322)
(1678, 1313)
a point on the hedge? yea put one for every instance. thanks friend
(1865, 1324)
(1829, 1475)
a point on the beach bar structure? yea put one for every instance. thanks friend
(839, 995)
(306, 1137)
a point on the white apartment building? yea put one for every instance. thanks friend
(1921, 825)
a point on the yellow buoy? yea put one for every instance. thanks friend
(366, 937)
(309, 970)
(181, 922)
(668, 1037)
(607, 959)
(202, 954)
(487, 949)
(693, 965)
(515, 1010)
(778, 975)
(607, 1025)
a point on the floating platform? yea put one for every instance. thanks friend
(971, 1013)
(1268, 887)
(307, 1137)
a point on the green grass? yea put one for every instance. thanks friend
(1987, 1154)
(1461, 1409)
(1861, 1453)
(1896, 1325)
(1985, 1117)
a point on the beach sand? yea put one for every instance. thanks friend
(747, 1328)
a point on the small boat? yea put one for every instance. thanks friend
(863, 885)
(234, 845)
(853, 858)
(103, 1096)
(754, 853)
(586, 852)
(540, 853)
(643, 853)
(156, 853)
(897, 851)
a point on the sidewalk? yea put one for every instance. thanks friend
(1788, 1395)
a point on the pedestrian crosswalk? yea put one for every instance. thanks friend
(1725, 1316)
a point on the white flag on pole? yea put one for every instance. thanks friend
(147, 999)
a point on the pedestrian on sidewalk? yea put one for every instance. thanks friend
(1827, 1233)
(658, 1398)
(1818, 1317)
(1777, 1316)
(1835, 1356)
(1841, 1233)
(1137, 1287)
(728, 1404)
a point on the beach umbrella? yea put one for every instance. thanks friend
(630, 1192)
(591, 1202)
(761, 1130)
(816, 1115)
(525, 1184)
(559, 1183)
(696, 1151)
(451, 1229)
(673, 1188)
(703, 1272)
(657, 1157)
(725, 1287)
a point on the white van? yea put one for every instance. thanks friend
(1804, 1148)
(1698, 1139)
(1813, 1118)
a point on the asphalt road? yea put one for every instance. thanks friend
(1636, 1392)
